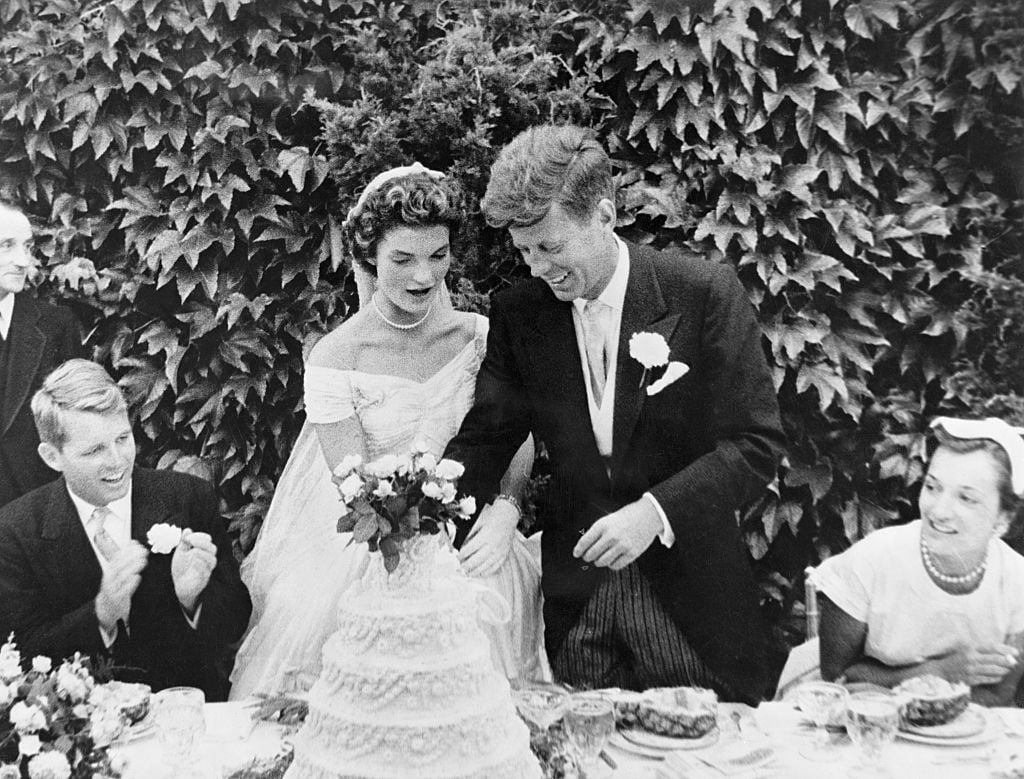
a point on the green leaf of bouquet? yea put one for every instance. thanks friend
(389, 547)
(391, 562)
(347, 522)
(366, 528)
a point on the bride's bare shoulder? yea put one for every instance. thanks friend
(338, 348)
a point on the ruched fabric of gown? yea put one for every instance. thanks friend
(301, 566)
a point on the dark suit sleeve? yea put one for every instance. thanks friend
(744, 421)
(225, 601)
(500, 418)
(26, 612)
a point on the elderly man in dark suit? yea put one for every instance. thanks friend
(643, 374)
(35, 337)
(93, 562)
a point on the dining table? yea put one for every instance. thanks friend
(750, 743)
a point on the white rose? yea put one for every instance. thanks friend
(49, 765)
(6, 696)
(42, 664)
(447, 492)
(10, 661)
(420, 447)
(351, 486)
(163, 538)
(105, 727)
(467, 507)
(649, 349)
(384, 489)
(384, 466)
(432, 489)
(26, 718)
(348, 464)
(29, 745)
(428, 462)
(70, 685)
(449, 469)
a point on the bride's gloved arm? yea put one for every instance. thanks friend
(340, 439)
(490, 540)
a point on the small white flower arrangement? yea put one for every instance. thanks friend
(651, 350)
(164, 538)
(394, 498)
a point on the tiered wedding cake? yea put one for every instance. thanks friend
(408, 688)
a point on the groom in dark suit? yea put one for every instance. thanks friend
(643, 374)
(35, 337)
(78, 570)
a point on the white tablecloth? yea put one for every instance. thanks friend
(233, 739)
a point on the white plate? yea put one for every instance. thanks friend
(736, 756)
(621, 742)
(668, 743)
(991, 732)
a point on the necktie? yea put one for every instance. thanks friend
(593, 337)
(104, 541)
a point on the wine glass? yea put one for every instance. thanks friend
(872, 719)
(180, 726)
(589, 723)
(541, 706)
(819, 700)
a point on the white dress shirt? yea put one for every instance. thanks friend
(6, 312)
(602, 417)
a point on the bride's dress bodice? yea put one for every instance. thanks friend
(395, 412)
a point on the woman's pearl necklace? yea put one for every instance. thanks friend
(397, 325)
(972, 577)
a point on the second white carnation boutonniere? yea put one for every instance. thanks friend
(651, 351)
(163, 538)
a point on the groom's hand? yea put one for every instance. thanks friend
(194, 559)
(617, 539)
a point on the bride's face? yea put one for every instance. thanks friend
(411, 265)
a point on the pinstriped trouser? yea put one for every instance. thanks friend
(625, 638)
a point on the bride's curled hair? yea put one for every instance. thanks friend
(420, 199)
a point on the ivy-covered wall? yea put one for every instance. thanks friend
(860, 163)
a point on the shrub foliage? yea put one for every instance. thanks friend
(858, 161)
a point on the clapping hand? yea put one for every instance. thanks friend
(617, 539)
(193, 561)
(118, 585)
(490, 539)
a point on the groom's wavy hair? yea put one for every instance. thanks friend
(547, 164)
(415, 200)
(75, 385)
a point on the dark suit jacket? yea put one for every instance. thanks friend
(40, 338)
(49, 577)
(703, 447)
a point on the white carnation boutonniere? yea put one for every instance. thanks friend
(651, 351)
(163, 538)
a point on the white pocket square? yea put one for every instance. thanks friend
(673, 372)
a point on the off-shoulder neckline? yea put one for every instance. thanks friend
(478, 333)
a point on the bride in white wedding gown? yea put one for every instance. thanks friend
(400, 371)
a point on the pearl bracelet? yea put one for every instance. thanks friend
(511, 499)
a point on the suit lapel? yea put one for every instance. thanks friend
(644, 310)
(25, 352)
(74, 562)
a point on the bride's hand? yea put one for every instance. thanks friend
(490, 539)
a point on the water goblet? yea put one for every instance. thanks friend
(589, 723)
(872, 719)
(819, 700)
(541, 706)
(180, 727)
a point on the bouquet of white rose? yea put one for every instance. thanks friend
(49, 727)
(394, 498)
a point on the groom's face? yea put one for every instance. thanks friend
(575, 257)
(97, 455)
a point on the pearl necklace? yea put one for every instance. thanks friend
(397, 325)
(970, 579)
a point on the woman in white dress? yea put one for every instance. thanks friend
(400, 371)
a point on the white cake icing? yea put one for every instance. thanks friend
(408, 688)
